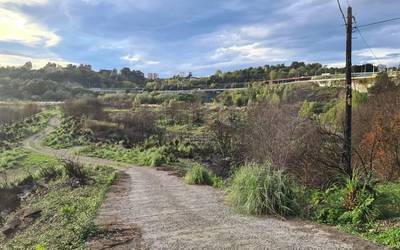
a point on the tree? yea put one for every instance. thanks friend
(377, 135)
(382, 84)
(27, 66)
(273, 74)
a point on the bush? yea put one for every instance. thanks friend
(258, 189)
(74, 170)
(198, 175)
(89, 107)
(353, 205)
(153, 157)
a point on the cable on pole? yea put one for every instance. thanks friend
(365, 41)
(341, 11)
(378, 22)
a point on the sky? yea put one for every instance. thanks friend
(173, 36)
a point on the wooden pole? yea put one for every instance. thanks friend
(348, 120)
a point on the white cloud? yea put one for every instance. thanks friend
(142, 5)
(239, 55)
(19, 60)
(388, 56)
(235, 35)
(138, 59)
(17, 27)
(131, 58)
(24, 2)
(255, 31)
(251, 52)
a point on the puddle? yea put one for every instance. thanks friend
(9, 199)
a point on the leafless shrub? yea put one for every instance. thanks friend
(139, 125)
(75, 172)
(90, 107)
(376, 135)
(224, 136)
(298, 146)
(10, 114)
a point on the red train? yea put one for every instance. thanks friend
(291, 79)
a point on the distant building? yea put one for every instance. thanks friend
(152, 76)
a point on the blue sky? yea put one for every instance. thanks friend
(172, 36)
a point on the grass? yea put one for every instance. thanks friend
(258, 189)
(68, 213)
(373, 212)
(389, 236)
(17, 164)
(69, 134)
(12, 134)
(154, 157)
(386, 230)
(199, 175)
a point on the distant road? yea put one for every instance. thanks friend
(217, 90)
(30, 102)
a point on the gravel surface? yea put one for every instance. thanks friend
(168, 214)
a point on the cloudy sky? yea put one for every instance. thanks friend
(171, 36)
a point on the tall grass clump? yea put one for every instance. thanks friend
(258, 189)
(354, 205)
(198, 175)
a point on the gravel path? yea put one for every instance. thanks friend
(168, 214)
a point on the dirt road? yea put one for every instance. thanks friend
(165, 213)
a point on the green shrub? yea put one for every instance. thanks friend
(198, 175)
(388, 200)
(307, 109)
(217, 181)
(68, 211)
(40, 247)
(353, 205)
(258, 189)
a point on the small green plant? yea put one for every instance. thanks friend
(353, 205)
(258, 189)
(390, 237)
(68, 211)
(217, 181)
(198, 175)
(153, 157)
(40, 247)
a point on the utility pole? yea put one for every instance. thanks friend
(348, 120)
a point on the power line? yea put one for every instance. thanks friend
(341, 11)
(379, 22)
(366, 43)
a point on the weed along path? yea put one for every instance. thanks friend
(150, 209)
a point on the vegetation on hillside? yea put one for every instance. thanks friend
(57, 83)
(276, 149)
(279, 150)
(17, 124)
(65, 210)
